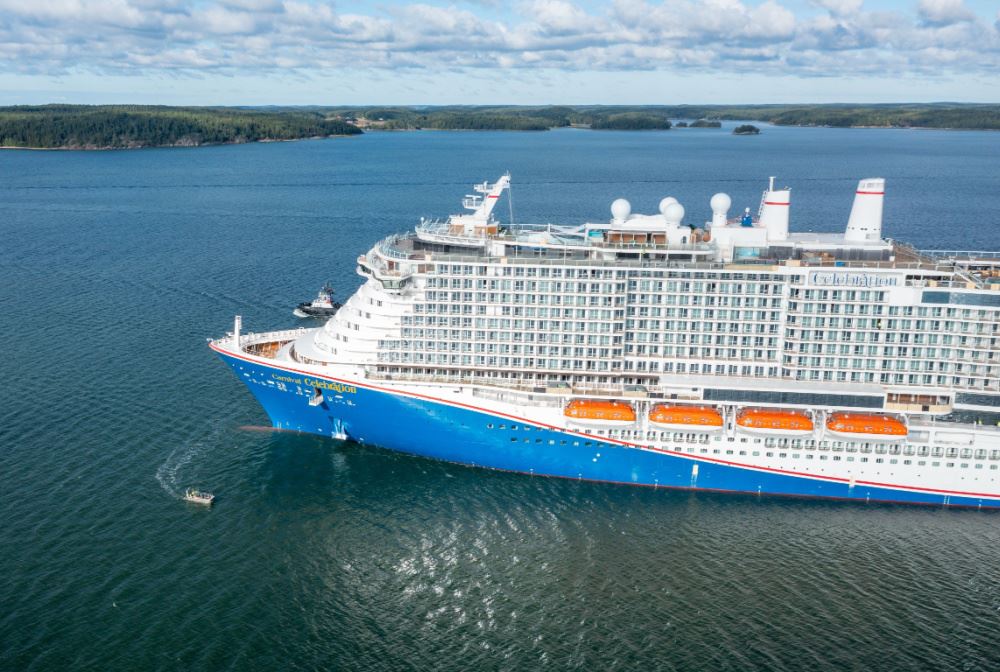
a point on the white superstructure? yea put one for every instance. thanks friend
(654, 312)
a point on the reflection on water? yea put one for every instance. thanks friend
(328, 555)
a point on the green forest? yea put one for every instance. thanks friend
(130, 126)
(644, 117)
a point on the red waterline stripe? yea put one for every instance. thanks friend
(605, 439)
(774, 203)
(493, 196)
(870, 193)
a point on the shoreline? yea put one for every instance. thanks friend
(77, 148)
(109, 148)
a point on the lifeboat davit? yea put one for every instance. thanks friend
(866, 426)
(696, 418)
(600, 411)
(775, 421)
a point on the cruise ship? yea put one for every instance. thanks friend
(731, 355)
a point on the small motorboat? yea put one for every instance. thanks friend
(322, 306)
(199, 496)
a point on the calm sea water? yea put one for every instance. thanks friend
(320, 555)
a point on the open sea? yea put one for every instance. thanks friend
(323, 555)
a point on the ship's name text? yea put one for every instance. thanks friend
(317, 382)
(853, 279)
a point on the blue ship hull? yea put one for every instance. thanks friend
(472, 436)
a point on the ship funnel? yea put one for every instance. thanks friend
(774, 207)
(865, 224)
(720, 205)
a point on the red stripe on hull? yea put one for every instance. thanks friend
(607, 439)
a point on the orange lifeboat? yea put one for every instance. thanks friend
(775, 421)
(866, 426)
(697, 418)
(600, 411)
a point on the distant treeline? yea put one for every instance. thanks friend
(644, 117)
(127, 126)
(506, 118)
(121, 126)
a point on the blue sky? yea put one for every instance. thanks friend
(250, 52)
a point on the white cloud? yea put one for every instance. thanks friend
(944, 12)
(312, 36)
(840, 7)
(223, 21)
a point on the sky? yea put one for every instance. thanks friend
(334, 52)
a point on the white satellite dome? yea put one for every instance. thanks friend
(621, 209)
(665, 203)
(674, 213)
(720, 203)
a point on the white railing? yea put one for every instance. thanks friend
(252, 338)
(962, 254)
(386, 247)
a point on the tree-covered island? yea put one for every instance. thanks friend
(130, 126)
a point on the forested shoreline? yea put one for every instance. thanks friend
(136, 126)
(662, 117)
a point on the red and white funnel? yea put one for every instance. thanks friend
(774, 207)
(865, 224)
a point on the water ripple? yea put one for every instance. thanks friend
(329, 555)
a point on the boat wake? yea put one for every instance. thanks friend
(181, 456)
